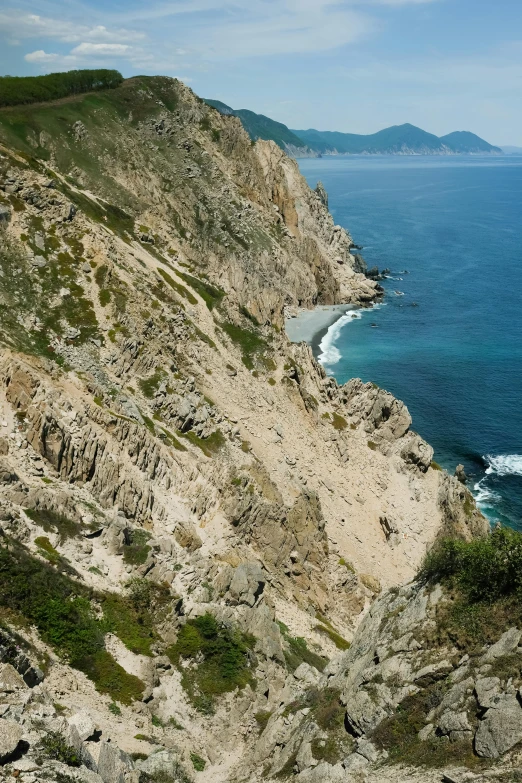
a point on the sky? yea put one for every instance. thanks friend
(347, 65)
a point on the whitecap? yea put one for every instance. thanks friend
(330, 354)
(504, 464)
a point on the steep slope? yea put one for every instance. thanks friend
(464, 141)
(194, 518)
(258, 126)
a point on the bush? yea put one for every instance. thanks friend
(197, 762)
(485, 569)
(54, 746)
(137, 550)
(219, 656)
(211, 295)
(16, 90)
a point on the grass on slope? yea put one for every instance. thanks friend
(483, 579)
(62, 610)
(218, 660)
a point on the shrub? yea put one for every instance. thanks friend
(197, 762)
(149, 386)
(52, 522)
(137, 550)
(54, 746)
(219, 656)
(181, 290)
(339, 422)
(486, 569)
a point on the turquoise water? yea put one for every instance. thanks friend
(450, 231)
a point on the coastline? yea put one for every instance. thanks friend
(311, 326)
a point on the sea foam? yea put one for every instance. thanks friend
(330, 354)
(504, 464)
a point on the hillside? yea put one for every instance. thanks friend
(205, 542)
(397, 140)
(464, 141)
(260, 127)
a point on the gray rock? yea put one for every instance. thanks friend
(10, 735)
(486, 690)
(86, 267)
(113, 763)
(323, 773)
(307, 674)
(500, 730)
(39, 241)
(425, 733)
(10, 680)
(5, 215)
(450, 722)
(247, 583)
(38, 261)
(368, 750)
(507, 643)
(164, 762)
(80, 728)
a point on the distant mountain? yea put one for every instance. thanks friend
(260, 127)
(508, 149)
(398, 140)
(464, 141)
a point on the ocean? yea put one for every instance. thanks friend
(447, 339)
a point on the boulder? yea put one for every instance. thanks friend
(5, 215)
(10, 680)
(487, 690)
(307, 674)
(187, 537)
(500, 730)
(507, 644)
(113, 764)
(247, 583)
(80, 728)
(10, 735)
(323, 773)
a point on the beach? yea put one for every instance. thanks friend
(311, 326)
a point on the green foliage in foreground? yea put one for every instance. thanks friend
(485, 569)
(15, 90)
(219, 659)
(483, 580)
(61, 610)
(54, 746)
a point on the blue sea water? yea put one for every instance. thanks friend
(448, 337)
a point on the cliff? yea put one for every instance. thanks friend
(195, 519)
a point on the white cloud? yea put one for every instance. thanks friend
(15, 25)
(101, 49)
(40, 57)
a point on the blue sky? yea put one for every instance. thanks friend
(348, 65)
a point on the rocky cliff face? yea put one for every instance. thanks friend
(204, 516)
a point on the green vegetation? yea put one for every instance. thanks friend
(15, 90)
(114, 709)
(296, 651)
(485, 569)
(178, 288)
(37, 292)
(197, 762)
(251, 344)
(209, 446)
(262, 719)
(483, 579)
(398, 734)
(435, 465)
(372, 445)
(52, 522)
(47, 550)
(327, 711)
(149, 386)
(219, 659)
(136, 551)
(53, 745)
(211, 295)
(60, 608)
(340, 642)
(260, 127)
(339, 422)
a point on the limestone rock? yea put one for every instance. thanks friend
(500, 730)
(323, 773)
(10, 680)
(507, 643)
(247, 583)
(113, 764)
(10, 735)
